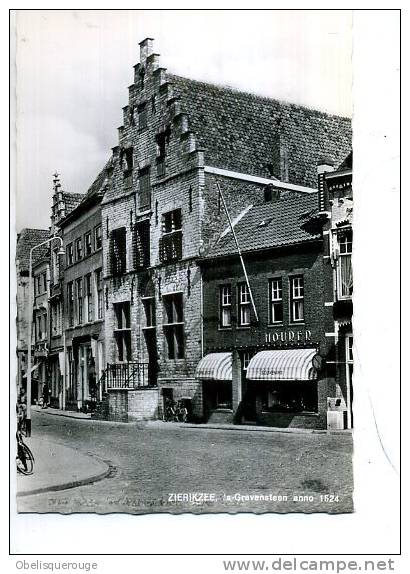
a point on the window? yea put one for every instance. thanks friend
(87, 243)
(246, 359)
(79, 297)
(276, 301)
(55, 268)
(161, 151)
(78, 249)
(122, 332)
(344, 267)
(294, 397)
(170, 247)
(88, 298)
(118, 251)
(56, 318)
(144, 188)
(128, 165)
(142, 244)
(70, 254)
(174, 325)
(142, 116)
(99, 289)
(220, 395)
(70, 304)
(149, 308)
(225, 306)
(98, 237)
(244, 305)
(297, 299)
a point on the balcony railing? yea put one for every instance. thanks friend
(170, 247)
(126, 376)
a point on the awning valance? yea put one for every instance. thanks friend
(215, 366)
(282, 365)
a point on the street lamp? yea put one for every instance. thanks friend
(29, 323)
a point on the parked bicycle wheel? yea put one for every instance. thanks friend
(24, 459)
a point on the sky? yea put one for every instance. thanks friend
(73, 69)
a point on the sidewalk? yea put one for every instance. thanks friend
(163, 424)
(57, 467)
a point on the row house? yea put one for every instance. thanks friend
(277, 328)
(180, 144)
(77, 361)
(336, 201)
(28, 239)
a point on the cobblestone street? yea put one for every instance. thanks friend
(152, 462)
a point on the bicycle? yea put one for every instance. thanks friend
(24, 458)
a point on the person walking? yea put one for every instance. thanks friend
(46, 395)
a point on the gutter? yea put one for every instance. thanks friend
(257, 179)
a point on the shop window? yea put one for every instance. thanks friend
(276, 301)
(98, 237)
(78, 249)
(174, 325)
(79, 300)
(220, 395)
(289, 397)
(142, 116)
(100, 295)
(89, 311)
(297, 299)
(118, 251)
(142, 244)
(170, 246)
(344, 264)
(70, 254)
(87, 243)
(244, 305)
(122, 332)
(70, 304)
(225, 306)
(144, 188)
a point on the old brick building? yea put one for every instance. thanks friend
(257, 366)
(26, 240)
(77, 352)
(162, 210)
(336, 200)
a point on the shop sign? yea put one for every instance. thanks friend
(304, 336)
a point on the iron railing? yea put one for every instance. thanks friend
(126, 376)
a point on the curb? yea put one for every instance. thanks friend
(243, 428)
(73, 483)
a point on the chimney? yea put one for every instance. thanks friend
(146, 49)
(325, 164)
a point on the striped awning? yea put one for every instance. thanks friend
(216, 367)
(282, 365)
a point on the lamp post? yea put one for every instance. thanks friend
(29, 323)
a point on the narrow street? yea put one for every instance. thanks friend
(151, 462)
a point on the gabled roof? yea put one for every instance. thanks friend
(80, 200)
(288, 221)
(72, 200)
(26, 240)
(245, 132)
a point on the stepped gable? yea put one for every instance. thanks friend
(256, 135)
